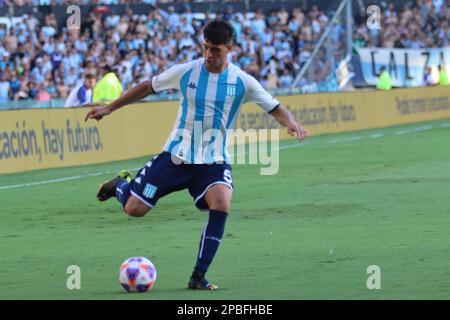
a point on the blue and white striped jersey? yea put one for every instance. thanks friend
(209, 106)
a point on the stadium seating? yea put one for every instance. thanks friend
(41, 59)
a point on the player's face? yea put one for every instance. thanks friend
(90, 83)
(215, 55)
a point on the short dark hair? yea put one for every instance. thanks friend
(89, 76)
(107, 68)
(218, 32)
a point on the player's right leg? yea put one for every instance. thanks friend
(159, 177)
(120, 188)
(135, 207)
(109, 189)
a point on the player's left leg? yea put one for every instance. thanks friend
(120, 187)
(217, 199)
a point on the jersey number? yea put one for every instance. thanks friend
(227, 176)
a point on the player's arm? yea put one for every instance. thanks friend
(136, 93)
(285, 118)
(169, 79)
(256, 93)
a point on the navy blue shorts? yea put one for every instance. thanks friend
(162, 176)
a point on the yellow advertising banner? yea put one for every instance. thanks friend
(48, 138)
(357, 110)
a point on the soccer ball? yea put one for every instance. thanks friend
(137, 274)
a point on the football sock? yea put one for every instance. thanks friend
(210, 241)
(122, 191)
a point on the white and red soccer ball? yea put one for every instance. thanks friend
(137, 274)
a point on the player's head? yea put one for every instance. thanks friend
(89, 81)
(218, 41)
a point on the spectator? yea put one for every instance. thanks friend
(272, 81)
(238, 28)
(384, 81)
(259, 24)
(11, 42)
(22, 94)
(71, 78)
(443, 77)
(56, 57)
(286, 79)
(14, 84)
(268, 51)
(38, 70)
(5, 89)
(62, 89)
(81, 94)
(42, 94)
(109, 87)
(32, 89)
(174, 19)
(428, 77)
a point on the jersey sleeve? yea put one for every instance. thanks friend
(254, 92)
(81, 95)
(169, 79)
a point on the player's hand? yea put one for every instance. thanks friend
(97, 113)
(294, 128)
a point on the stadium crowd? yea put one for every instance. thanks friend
(422, 25)
(84, 2)
(46, 60)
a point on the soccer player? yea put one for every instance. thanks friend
(212, 92)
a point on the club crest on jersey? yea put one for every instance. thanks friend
(192, 85)
(231, 90)
(149, 191)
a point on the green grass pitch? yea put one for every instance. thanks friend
(338, 204)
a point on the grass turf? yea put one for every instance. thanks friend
(338, 204)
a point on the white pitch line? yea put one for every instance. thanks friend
(377, 135)
(81, 176)
(52, 181)
(355, 138)
(417, 129)
(424, 128)
(400, 132)
(445, 125)
(295, 145)
(334, 141)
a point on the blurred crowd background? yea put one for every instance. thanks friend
(41, 59)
